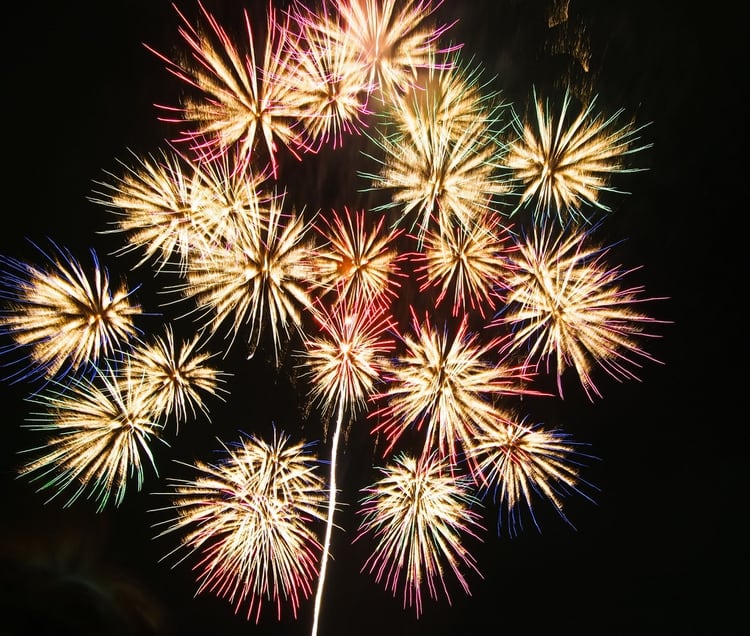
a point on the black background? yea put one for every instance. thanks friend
(654, 552)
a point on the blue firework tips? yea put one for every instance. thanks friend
(60, 315)
(521, 464)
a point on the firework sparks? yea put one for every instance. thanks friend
(260, 279)
(568, 307)
(249, 520)
(258, 522)
(519, 462)
(470, 262)
(419, 512)
(240, 102)
(175, 376)
(102, 428)
(65, 317)
(565, 169)
(441, 158)
(443, 382)
(229, 201)
(358, 265)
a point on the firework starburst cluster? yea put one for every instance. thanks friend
(428, 314)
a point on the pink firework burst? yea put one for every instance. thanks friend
(390, 42)
(249, 521)
(239, 102)
(328, 76)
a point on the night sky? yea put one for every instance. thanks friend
(80, 89)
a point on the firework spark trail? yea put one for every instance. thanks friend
(240, 102)
(446, 383)
(563, 170)
(418, 511)
(175, 375)
(261, 279)
(518, 462)
(356, 264)
(568, 308)
(64, 317)
(332, 487)
(249, 519)
(101, 427)
(343, 366)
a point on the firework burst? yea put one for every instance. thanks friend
(433, 240)
(445, 383)
(65, 317)
(344, 363)
(249, 520)
(390, 44)
(225, 202)
(519, 463)
(175, 375)
(567, 307)
(154, 203)
(565, 166)
(357, 264)
(173, 206)
(101, 430)
(469, 262)
(260, 279)
(441, 151)
(418, 512)
(328, 77)
(240, 103)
